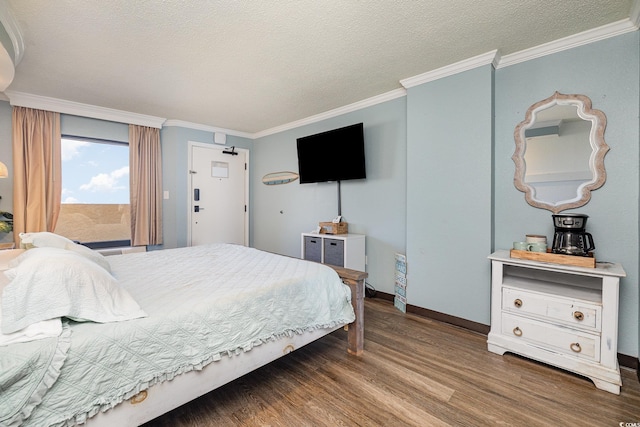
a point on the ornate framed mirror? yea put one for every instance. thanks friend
(560, 151)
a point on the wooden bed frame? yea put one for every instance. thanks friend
(166, 396)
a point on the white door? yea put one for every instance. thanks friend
(218, 193)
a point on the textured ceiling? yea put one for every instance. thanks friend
(253, 65)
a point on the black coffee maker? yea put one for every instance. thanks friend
(569, 237)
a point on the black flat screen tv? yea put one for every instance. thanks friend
(335, 155)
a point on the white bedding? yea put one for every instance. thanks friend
(203, 303)
(36, 331)
(45, 329)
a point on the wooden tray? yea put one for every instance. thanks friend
(578, 261)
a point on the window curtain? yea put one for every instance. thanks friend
(145, 183)
(37, 177)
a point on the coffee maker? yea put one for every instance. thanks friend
(569, 237)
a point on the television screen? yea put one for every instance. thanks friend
(335, 155)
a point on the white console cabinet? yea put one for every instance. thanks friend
(558, 314)
(342, 250)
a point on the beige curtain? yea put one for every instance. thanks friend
(145, 178)
(37, 177)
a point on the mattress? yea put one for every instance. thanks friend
(203, 303)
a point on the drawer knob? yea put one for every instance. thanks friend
(517, 302)
(575, 347)
(517, 331)
(578, 315)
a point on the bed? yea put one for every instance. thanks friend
(193, 319)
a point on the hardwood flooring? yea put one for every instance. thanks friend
(414, 372)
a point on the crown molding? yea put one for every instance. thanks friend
(396, 93)
(575, 40)
(449, 70)
(10, 24)
(492, 57)
(206, 128)
(21, 99)
(369, 102)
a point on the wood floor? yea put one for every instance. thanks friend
(415, 372)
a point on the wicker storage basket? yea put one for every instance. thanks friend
(334, 228)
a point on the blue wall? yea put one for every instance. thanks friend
(375, 207)
(175, 179)
(449, 194)
(608, 73)
(93, 128)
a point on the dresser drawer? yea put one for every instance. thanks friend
(562, 340)
(547, 307)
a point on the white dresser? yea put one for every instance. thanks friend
(558, 314)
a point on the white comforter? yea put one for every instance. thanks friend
(203, 303)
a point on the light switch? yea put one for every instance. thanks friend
(166, 195)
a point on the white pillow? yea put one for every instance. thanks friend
(53, 282)
(37, 331)
(45, 239)
(8, 255)
(45, 329)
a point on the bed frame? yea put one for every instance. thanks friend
(166, 396)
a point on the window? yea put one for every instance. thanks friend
(95, 192)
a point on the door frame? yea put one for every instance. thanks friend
(246, 152)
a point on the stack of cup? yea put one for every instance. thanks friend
(534, 243)
(537, 243)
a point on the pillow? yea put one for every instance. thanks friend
(53, 282)
(45, 239)
(38, 331)
(6, 256)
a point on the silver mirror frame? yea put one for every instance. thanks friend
(596, 161)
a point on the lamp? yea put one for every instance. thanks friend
(4, 172)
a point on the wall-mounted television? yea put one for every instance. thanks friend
(335, 155)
